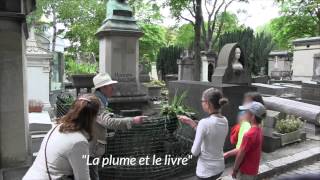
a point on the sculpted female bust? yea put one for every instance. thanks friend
(236, 65)
(117, 5)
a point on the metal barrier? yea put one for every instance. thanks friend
(159, 136)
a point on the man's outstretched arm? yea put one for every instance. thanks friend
(108, 121)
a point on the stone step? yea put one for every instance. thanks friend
(282, 165)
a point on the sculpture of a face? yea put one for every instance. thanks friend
(236, 65)
(237, 53)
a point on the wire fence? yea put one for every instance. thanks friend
(157, 136)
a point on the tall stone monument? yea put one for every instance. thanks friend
(14, 146)
(119, 52)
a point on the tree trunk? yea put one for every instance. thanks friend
(197, 39)
(54, 36)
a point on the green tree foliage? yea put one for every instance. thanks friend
(302, 8)
(82, 18)
(153, 39)
(256, 48)
(287, 28)
(185, 34)
(300, 18)
(261, 47)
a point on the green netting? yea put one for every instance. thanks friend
(157, 136)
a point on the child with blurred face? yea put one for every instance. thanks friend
(243, 125)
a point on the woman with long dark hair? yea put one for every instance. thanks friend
(62, 150)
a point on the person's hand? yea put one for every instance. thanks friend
(225, 155)
(234, 174)
(188, 121)
(185, 119)
(138, 119)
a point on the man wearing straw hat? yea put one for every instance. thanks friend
(103, 85)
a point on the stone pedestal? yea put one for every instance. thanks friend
(119, 56)
(15, 150)
(208, 65)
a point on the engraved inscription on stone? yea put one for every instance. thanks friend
(123, 77)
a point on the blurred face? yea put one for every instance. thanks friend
(248, 116)
(241, 116)
(205, 106)
(247, 100)
(107, 90)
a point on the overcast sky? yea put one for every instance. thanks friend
(253, 14)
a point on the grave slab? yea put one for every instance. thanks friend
(270, 89)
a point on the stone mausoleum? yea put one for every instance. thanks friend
(303, 57)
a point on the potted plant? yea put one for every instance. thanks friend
(81, 74)
(173, 109)
(154, 88)
(289, 129)
(35, 106)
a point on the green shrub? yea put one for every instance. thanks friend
(157, 83)
(176, 107)
(289, 124)
(72, 67)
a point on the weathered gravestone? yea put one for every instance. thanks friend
(185, 67)
(119, 53)
(231, 77)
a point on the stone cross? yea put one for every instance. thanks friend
(232, 68)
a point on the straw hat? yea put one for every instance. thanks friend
(102, 79)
